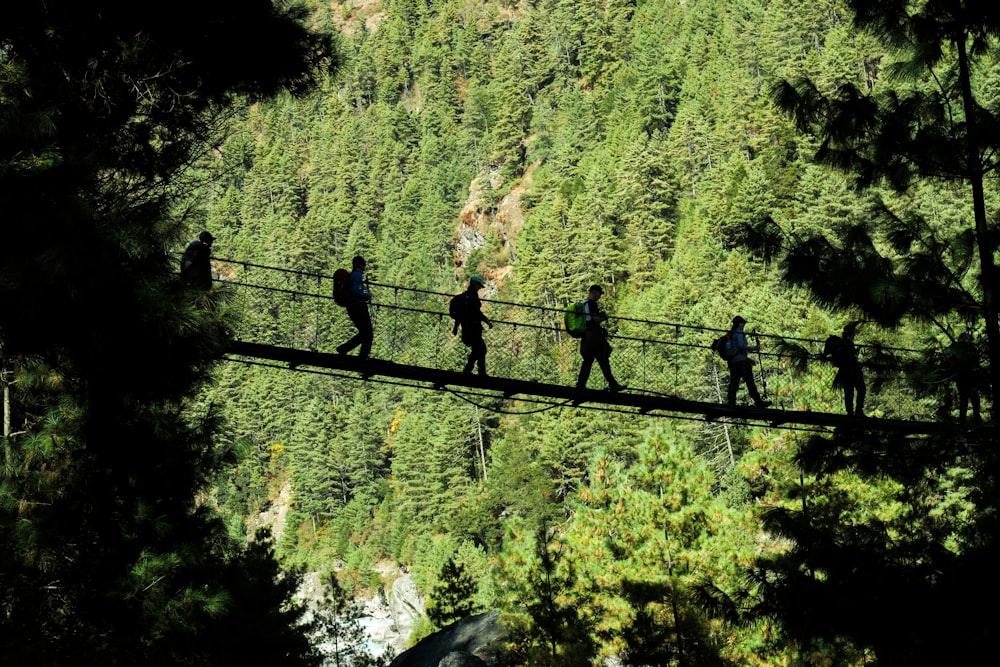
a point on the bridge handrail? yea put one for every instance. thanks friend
(677, 325)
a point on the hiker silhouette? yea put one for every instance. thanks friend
(850, 377)
(466, 309)
(741, 365)
(196, 262)
(962, 365)
(357, 310)
(594, 342)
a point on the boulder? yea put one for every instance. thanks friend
(461, 659)
(472, 639)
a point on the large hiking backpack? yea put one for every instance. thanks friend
(575, 319)
(458, 307)
(835, 350)
(723, 346)
(342, 287)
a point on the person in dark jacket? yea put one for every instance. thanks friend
(850, 377)
(196, 262)
(594, 342)
(357, 310)
(471, 320)
(962, 362)
(741, 365)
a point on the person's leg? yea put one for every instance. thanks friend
(588, 350)
(365, 331)
(862, 391)
(747, 374)
(963, 400)
(604, 361)
(349, 344)
(479, 350)
(358, 314)
(588, 362)
(734, 382)
(758, 401)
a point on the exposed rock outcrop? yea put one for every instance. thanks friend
(461, 659)
(470, 642)
(405, 604)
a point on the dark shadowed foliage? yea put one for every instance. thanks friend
(111, 554)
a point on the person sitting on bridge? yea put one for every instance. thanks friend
(741, 365)
(357, 310)
(196, 262)
(594, 342)
(467, 309)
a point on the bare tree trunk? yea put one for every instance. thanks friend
(482, 449)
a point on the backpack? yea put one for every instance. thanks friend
(834, 349)
(575, 319)
(342, 287)
(458, 307)
(723, 346)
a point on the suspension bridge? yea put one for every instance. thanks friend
(288, 319)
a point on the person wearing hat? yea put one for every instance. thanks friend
(469, 315)
(594, 342)
(849, 375)
(357, 311)
(741, 366)
(196, 262)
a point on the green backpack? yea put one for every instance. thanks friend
(575, 319)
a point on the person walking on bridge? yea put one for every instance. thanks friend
(594, 342)
(196, 262)
(962, 363)
(850, 377)
(741, 365)
(467, 311)
(357, 310)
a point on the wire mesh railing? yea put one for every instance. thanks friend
(295, 309)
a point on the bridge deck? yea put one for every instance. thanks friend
(644, 403)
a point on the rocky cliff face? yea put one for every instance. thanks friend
(480, 221)
(405, 604)
(387, 620)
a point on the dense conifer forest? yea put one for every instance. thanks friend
(806, 165)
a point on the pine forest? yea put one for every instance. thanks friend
(807, 168)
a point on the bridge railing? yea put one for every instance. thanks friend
(296, 309)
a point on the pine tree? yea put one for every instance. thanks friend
(929, 124)
(452, 598)
(845, 563)
(111, 552)
(337, 626)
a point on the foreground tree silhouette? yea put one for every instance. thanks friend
(107, 556)
(896, 582)
(939, 125)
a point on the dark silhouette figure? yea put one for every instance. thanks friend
(962, 362)
(849, 376)
(196, 262)
(470, 317)
(594, 343)
(741, 366)
(357, 310)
